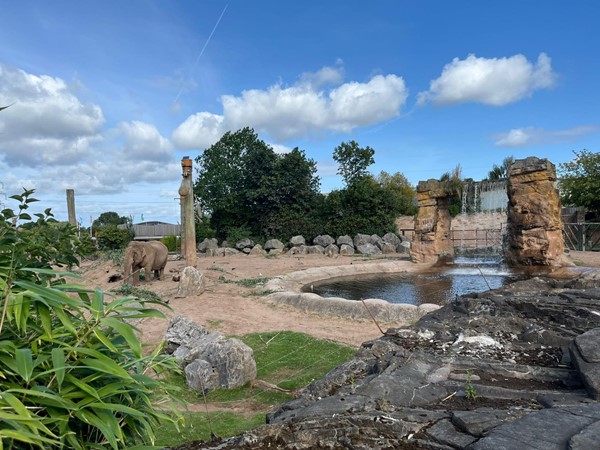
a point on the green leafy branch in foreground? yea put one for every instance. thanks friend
(73, 373)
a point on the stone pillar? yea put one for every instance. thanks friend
(432, 239)
(186, 193)
(534, 224)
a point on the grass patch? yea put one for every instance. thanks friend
(286, 359)
(131, 291)
(246, 282)
(199, 426)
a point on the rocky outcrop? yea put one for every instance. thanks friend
(209, 360)
(432, 240)
(489, 371)
(534, 224)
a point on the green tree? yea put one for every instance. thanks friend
(110, 218)
(353, 160)
(401, 190)
(500, 172)
(243, 185)
(580, 181)
(220, 183)
(363, 207)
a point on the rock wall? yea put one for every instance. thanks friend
(534, 228)
(432, 239)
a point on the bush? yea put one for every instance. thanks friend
(111, 237)
(73, 373)
(171, 242)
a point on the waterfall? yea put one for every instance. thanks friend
(480, 226)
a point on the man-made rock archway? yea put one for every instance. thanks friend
(534, 224)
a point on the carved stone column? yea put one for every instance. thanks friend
(534, 224)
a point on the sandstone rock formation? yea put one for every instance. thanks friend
(534, 225)
(432, 239)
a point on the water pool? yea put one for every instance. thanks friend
(439, 286)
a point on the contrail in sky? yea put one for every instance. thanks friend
(202, 51)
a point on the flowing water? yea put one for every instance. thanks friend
(466, 275)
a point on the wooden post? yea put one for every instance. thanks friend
(71, 207)
(186, 193)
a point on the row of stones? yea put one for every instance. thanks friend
(322, 244)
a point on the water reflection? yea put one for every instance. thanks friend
(417, 288)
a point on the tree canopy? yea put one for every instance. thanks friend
(580, 180)
(353, 160)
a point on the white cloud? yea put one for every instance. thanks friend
(47, 124)
(199, 130)
(299, 110)
(278, 148)
(323, 77)
(143, 141)
(491, 81)
(531, 136)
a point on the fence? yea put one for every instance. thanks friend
(158, 231)
(582, 236)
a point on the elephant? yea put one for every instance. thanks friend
(151, 256)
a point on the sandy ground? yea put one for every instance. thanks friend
(236, 310)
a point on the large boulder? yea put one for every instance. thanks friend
(208, 244)
(362, 239)
(257, 250)
(209, 360)
(323, 240)
(315, 250)
(274, 244)
(347, 250)
(368, 249)
(332, 250)
(296, 241)
(191, 283)
(392, 238)
(345, 239)
(245, 243)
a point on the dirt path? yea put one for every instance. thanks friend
(236, 310)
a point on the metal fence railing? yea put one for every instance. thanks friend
(582, 236)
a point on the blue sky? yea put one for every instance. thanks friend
(109, 96)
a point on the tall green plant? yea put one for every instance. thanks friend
(73, 373)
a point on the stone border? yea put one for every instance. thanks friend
(288, 292)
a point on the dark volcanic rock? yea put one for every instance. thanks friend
(514, 368)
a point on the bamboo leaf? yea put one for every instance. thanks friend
(58, 362)
(96, 422)
(105, 340)
(98, 304)
(24, 363)
(44, 314)
(89, 390)
(126, 331)
(109, 367)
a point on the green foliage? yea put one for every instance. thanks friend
(110, 237)
(501, 172)
(141, 293)
(452, 181)
(236, 234)
(402, 192)
(73, 373)
(109, 218)
(470, 391)
(353, 160)
(171, 242)
(243, 183)
(363, 207)
(580, 181)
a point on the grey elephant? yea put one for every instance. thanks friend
(151, 256)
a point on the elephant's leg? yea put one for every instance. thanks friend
(135, 276)
(148, 271)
